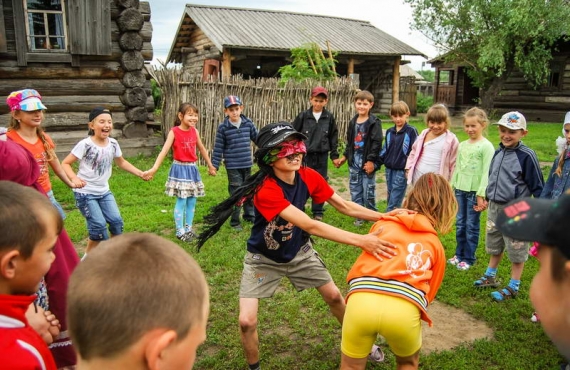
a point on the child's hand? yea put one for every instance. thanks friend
(340, 161)
(147, 175)
(481, 204)
(77, 183)
(44, 323)
(368, 167)
(212, 170)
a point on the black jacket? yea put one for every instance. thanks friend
(372, 143)
(322, 135)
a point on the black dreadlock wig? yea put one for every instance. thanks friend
(222, 211)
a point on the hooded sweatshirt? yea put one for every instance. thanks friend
(415, 274)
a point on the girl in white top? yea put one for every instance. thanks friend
(435, 149)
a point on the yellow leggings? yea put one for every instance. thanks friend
(370, 314)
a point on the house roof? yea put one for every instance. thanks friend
(240, 28)
(406, 70)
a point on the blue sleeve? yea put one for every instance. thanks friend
(549, 185)
(219, 147)
(532, 175)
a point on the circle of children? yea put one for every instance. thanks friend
(433, 182)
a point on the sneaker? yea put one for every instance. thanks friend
(318, 217)
(358, 222)
(376, 354)
(463, 266)
(454, 260)
(187, 237)
(237, 228)
(534, 317)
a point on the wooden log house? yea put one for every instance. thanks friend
(217, 42)
(81, 54)
(546, 103)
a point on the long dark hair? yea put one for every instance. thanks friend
(222, 211)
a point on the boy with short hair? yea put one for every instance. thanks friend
(546, 221)
(395, 152)
(514, 173)
(319, 125)
(363, 144)
(233, 146)
(29, 227)
(138, 302)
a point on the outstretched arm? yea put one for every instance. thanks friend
(66, 165)
(204, 153)
(60, 172)
(369, 242)
(160, 158)
(353, 209)
(123, 164)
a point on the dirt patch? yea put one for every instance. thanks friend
(445, 333)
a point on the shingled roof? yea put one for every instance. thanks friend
(240, 28)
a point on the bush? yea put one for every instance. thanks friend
(424, 102)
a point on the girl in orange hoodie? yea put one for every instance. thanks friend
(390, 297)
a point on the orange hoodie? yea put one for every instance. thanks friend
(415, 274)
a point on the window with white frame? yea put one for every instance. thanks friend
(45, 25)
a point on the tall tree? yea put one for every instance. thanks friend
(493, 37)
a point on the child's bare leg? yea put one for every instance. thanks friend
(91, 244)
(408, 363)
(331, 295)
(349, 363)
(495, 260)
(517, 270)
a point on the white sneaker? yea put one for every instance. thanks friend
(463, 266)
(454, 260)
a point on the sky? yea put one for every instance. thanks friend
(391, 16)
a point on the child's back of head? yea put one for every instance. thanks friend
(29, 226)
(433, 197)
(131, 288)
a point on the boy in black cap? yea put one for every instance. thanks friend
(233, 146)
(546, 221)
(279, 244)
(319, 125)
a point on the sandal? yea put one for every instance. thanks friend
(376, 354)
(486, 282)
(504, 294)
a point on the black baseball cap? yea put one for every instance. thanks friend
(274, 134)
(538, 220)
(96, 112)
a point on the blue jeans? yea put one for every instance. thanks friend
(397, 184)
(100, 210)
(236, 178)
(56, 204)
(362, 188)
(467, 226)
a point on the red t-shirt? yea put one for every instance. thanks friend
(184, 146)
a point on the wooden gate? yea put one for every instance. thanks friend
(408, 93)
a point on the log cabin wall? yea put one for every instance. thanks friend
(376, 76)
(73, 83)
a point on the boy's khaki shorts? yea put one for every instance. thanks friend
(496, 243)
(261, 276)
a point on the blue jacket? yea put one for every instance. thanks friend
(556, 185)
(514, 173)
(233, 144)
(322, 135)
(397, 146)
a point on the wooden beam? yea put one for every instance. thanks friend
(396, 80)
(350, 68)
(226, 64)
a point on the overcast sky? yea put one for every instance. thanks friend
(391, 16)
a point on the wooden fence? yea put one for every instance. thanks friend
(408, 93)
(265, 100)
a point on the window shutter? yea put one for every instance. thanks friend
(89, 27)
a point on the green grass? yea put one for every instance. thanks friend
(296, 329)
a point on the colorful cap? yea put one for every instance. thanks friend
(96, 112)
(539, 220)
(319, 90)
(27, 100)
(274, 134)
(231, 100)
(513, 121)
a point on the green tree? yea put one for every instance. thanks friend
(493, 37)
(309, 62)
(427, 74)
